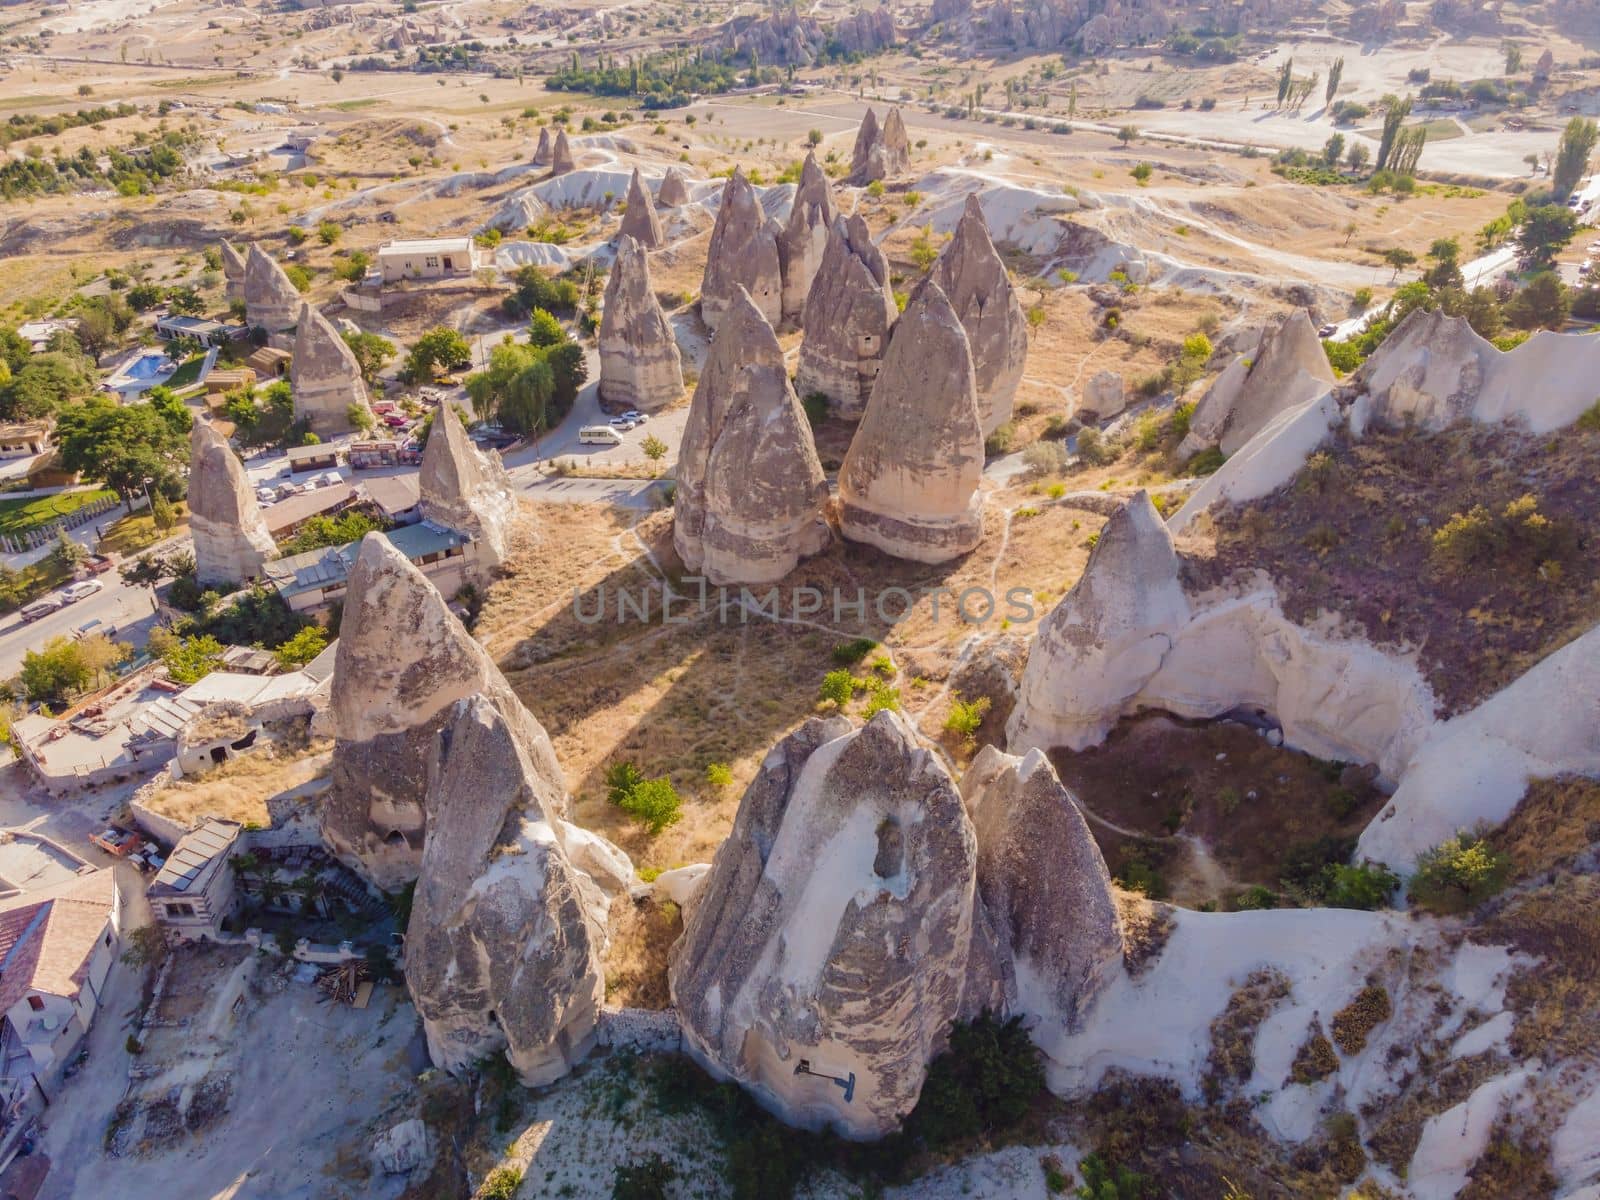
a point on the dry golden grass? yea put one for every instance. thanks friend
(636, 964)
(240, 788)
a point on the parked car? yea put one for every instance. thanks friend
(622, 423)
(634, 415)
(42, 608)
(74, 592)
(1327, 331)
(97, 564)
(266, 495)
(396, 421)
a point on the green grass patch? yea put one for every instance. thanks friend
(20, 516)
(138, 532)
(188, 373)
(1439, 130)
(353, 105)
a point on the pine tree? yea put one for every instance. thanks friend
(161, 511)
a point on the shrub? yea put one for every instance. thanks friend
(985, 1083)
(1094, 450)
(847, 654)
(1590, 420)
(718, 775)
(1255, 898)
(1458, 874)
(881, 696)
(1354, 1023)
(1001, 440)
(621, 779)
(654, 802)
(1364, 886)
(1207, 462)
(1315, 1059)
(654, 448)
(1044, 458)
(133, 1045)
(838, 686)
(501, 1184)
(965, 716)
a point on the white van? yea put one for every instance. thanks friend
(599, 435)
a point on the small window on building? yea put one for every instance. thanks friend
(180, 910)
(36, 1003)
(430, 261)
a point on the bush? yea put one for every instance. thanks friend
(501, 1184)
(654, 802)
(1590, 419)
(985, 1083)
(1102, 1181)
(1458, 874)
(1353, 1023)
(838, 686)
(847, 654)
(1045, 458)
(621, 779)
(1207, 462)
(816, 406)
(881, 697)
(1094, 450)
(718, 775)
(1364, 886)
(965, 716)
(1001, 440)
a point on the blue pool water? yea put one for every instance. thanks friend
(146, 366)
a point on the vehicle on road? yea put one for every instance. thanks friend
(97, 564)
(117, 841)
(42, 608)
(599, 435)
(1327, 331)
(266, 495)
(634, 415)
(74, 592)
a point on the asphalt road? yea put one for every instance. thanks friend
(128, 609)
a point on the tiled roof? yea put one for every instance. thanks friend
(48, 936)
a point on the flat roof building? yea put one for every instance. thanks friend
(426, 258)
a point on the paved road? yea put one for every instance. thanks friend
(625, 493)
(130, 610)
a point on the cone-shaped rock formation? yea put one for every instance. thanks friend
(270, 300)
(324, 376)
(909, 484)
(561, 161)
(805, 237)
(640, 366)
(743, 254)
(466, 489)
(975, 280)
(233, 270)
(640, 221)
(402, 663)
(833, 937)
(230, 537)
(750, 487)
(880, 152)
(1288, 369)
(505, 943)
(673, 190)
(848, 316)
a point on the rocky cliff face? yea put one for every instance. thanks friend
(880, 151)
(1288, 369)
(805, 237)
(640, 366)
(673, 190)
(324, 376)
(640, 221)
(743, 254)
(1103, 397)
(750, 488)
(975, 280)
(270, 300)
(543, 152)
(403, 661)
(561, 161)
(230, 537)
(828, 951)
(466, 489)
(505, 944)
(787, 36)
(849, 313)
(909, 484)
(1046, 889)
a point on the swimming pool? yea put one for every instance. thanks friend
(148, 366)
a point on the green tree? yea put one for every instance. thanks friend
(1394, 115)
(127, 447)
(654, 448)
(302, 647)
(1333, 150)
(43, 386)
(438, 349)
(1446, 269)
(328, 232)
(56, 673)
(544, 329)
(66, 552)
(189, 660)
(373, 352)
(1544, 233)
(1399, 259)
(1545, 303)
(814, 137)
(1572, 155)
(1126, 134)
(1285, 79)
(1356, 156)
(161, 511)
(1458, 874)
(1513, 53)
(1335, 74)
